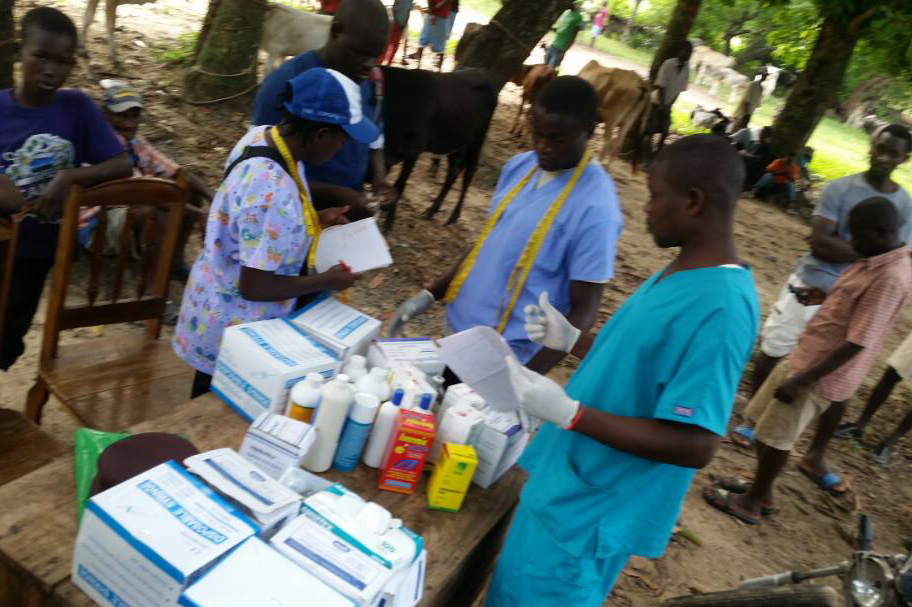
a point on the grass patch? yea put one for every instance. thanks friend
(180, 52)
(615, 47)
(486, 7)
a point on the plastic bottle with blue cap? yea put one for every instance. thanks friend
(382, 431)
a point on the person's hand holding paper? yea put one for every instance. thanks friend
(540, 396)
(359, 244)
(478, 357)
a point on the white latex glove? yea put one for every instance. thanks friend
(541, 397)
(408, 309)
(548, 327)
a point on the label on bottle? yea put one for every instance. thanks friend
(354, 435)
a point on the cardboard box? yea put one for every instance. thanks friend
(452, 477)
(258, 362)
(341, 328)
(142, 542)
(350, 544)
(497, 446)
(460, 394)
(266, 500)
(459, 424)
(274, 443)
(412, 437)
(419, 351)
(256, 574)
(413, 383)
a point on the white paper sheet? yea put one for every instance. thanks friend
(359, 244)
(477, 356)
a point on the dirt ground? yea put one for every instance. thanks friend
(809, 529)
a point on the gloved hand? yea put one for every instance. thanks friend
(540, 396)
(548, 327)
(408, 309)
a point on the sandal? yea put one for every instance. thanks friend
(826, 481)
(849, 430)
(719, 499)
(743, 436)
(740, 486)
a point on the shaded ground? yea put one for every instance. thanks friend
(809, 528)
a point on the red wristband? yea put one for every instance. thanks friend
(576, 418)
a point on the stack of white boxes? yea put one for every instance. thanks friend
(419, 351)
(340, 328)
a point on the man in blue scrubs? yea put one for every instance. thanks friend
(609, 469)
(576, 254)
(357, 38)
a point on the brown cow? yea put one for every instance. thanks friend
(622, 96)
(532, 79)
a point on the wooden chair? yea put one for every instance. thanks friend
(113, 382)
(9, 234)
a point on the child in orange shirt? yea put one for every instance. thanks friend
(781, 174)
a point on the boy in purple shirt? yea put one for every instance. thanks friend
(47, 135)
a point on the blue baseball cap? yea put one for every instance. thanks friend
(324, 95)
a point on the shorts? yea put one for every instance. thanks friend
(534, 570)
(786, 321)
(434, 33)
(778, 424)
(901, 359)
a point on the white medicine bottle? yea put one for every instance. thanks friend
(375, 383)
(355, 368)
(335, 399)
(304, 398)
(383, 430)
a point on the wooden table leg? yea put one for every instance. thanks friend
(473, 575)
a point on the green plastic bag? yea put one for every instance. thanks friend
(88, 447)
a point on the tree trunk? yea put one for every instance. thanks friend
(628, 28)
(7, 44)
(818, 84)
(502, 45)
(682, 20)
(226, 61)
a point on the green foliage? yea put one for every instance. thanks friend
(487, 7)
(180, 52)
(793, 33)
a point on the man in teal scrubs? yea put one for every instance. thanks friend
(609, 469)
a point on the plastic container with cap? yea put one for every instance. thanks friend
(355, 368)
(335, 400)
(375, 383)
(382, 431)
(355, 432)
(425, 404)
(304, 398)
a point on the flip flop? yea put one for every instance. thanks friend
(719, 499)
(827, 481)
(849, 431)
(733, 484)
(743, 436)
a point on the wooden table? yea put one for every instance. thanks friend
(38, 518)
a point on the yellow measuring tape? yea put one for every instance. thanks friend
(521, 271)
(311, 219)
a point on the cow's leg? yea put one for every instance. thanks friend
(454, 166)
(468, 172)
(398, 190)
(91, 6)
(111, 19)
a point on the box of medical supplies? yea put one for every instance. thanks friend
(339, 327)
(266, 500)
(498, 445)
(451, 477)
(274, 443)
(460, 393)
(258, 362)
(413, 383)
(459, 424)
(354, 546)
(142, 542)
(408, 448)
(257, 575)
(419, 351)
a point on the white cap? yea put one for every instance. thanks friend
(357, 361)
(364, 409)
(343, 377)
(314, 379)
(380, 372)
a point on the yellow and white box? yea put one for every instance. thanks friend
(142, 542)
(452, 477)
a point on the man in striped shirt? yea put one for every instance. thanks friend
(833, 355)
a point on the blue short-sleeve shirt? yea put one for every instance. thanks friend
(349, 166)
(674, 351)
(580, 246)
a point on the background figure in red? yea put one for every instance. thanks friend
(401, 11)
(329, 7)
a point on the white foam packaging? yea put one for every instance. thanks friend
(341, 328)
(256, 574)
(354, 546)
(274, 443)
(142, 542)
(266, 500)
(259, 362)
(419, 351)
(460, 424)
(498, 445)
(413, 383)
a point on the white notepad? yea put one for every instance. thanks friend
(359, 244)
